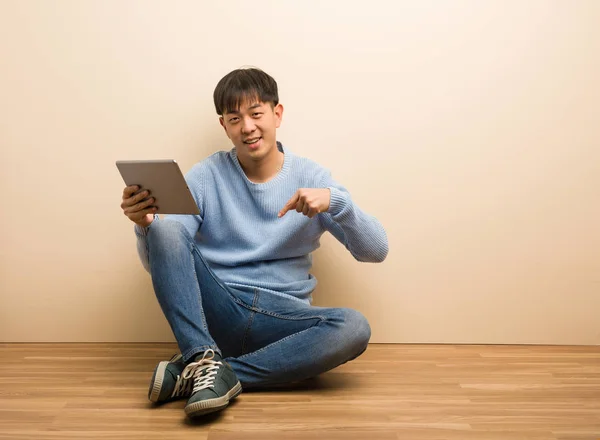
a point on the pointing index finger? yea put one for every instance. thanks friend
(289, 205)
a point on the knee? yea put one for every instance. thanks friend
(356, 332)
(166, 234)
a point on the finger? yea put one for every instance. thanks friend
(135, 199)
(141, 212)
(312, 213)
(136, 216)
(306, 209)
(148, 203)
(289, 205)
(139, 206)
(299, 206)
(129, 191)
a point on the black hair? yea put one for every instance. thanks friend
(244, 84)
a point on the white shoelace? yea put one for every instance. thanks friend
(183, 387)
(203, 371)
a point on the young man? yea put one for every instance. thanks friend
(234, 281)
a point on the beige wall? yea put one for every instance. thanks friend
(469, 128)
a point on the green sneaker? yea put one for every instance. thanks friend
(215, 384)
(167, 383)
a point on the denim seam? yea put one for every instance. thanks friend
(216, 279)
(199, 293)
(247, 331)
(200, 349)
(273, 344)
(288, 318)
(250, 321)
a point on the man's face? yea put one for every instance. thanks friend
(252, 128)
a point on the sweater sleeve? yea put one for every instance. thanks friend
(362, 234)
(195, 180)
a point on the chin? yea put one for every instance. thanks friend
(255, 155)
(262, 150)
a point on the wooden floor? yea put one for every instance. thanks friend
(85, 391)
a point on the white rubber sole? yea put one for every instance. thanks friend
(211, 405)
(156, 386)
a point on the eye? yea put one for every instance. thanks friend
(234, 120)
(256, 115)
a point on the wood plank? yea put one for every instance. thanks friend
(421, 392)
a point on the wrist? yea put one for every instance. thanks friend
(141, 227)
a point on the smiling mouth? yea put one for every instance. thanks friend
(252, 141)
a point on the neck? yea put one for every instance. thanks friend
(260, 171)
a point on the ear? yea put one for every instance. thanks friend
(222, 122)
(278, 111)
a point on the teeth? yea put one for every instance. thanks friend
(251, 141)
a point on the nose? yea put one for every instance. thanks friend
(248, 126)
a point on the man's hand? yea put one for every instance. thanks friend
(138, 207)
(308, 201)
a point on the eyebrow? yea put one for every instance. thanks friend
(253, 106)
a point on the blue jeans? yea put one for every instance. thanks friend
(268, 339)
